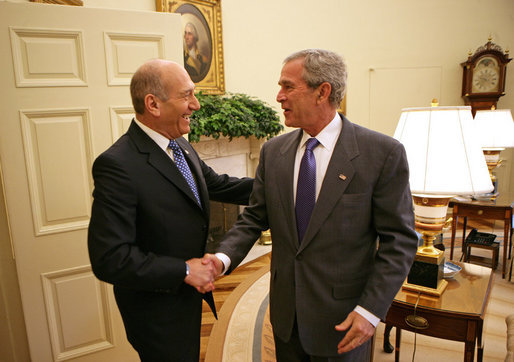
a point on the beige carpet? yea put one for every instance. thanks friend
(243, 332)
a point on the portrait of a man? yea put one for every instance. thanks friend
(197, 42)
(194, 61)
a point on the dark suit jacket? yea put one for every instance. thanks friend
(365, 196)
(145, 223)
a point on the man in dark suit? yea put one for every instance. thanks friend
(336, 270)
(150, 217)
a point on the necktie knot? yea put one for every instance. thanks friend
(174, 145)
(311, 144)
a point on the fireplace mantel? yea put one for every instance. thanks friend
(238, 157)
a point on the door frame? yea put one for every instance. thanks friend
(12, 323)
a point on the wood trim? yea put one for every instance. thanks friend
(60, 2)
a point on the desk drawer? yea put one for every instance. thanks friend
(497, 213)
(440, 324)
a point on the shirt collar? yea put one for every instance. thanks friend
(158, 138)
(328, 135)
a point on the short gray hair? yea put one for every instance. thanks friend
(321, 66)
(147, 79)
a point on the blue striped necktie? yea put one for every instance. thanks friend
(306, 188)
(184, 169)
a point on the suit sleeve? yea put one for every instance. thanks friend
(224, 188)
(394, 223)
(238, 241)
(115, 256)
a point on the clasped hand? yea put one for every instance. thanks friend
(203, 272)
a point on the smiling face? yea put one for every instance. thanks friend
(174, 113)
(298, 100)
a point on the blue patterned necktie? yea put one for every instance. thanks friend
(306, 188)
(182, 165)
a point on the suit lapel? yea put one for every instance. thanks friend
(158, 159)
(285, 178)
(340, 173)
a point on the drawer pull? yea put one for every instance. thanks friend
(416, 322)
(480, 212)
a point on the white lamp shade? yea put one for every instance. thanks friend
(444, 155)
(495, 128)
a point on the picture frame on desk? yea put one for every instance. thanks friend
(203, 45)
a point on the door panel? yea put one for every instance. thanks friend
(65, 73)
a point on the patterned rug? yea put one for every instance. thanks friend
(243, 331)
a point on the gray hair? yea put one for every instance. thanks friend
(147, 80)
(193, 30)
(321, 66)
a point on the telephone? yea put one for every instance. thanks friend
(476, 237)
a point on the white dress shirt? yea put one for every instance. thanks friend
(158, 138)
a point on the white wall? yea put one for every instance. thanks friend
(396, 34)
(422, 42)
(258, 35)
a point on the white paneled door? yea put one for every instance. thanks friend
(64, 73)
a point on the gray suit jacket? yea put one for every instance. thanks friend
(358, 247)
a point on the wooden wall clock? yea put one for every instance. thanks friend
(483, 81)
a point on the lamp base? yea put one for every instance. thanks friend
(426, 290)
(265, 238)
(426, 274)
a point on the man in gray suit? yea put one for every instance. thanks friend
(336, 270)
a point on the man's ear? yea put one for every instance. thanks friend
(324, 91)
(152, 105)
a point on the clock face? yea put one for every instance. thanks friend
(486, 76)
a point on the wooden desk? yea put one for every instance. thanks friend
(501, 209)
(457, 315)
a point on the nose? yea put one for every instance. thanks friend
(281, 96)
(194, 105)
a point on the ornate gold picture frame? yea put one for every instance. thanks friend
(203, 46)
(60, 2)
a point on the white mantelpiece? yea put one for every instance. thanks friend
(238, 157)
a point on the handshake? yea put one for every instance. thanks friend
(203, 271)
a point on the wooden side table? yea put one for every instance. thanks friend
(500, 209)
(457, 315)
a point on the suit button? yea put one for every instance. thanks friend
(299, 257)
(204, 228)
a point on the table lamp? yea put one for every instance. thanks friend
(445, 159)
(495, 129)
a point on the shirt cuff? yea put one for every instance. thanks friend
(368, 315)
(225, 260)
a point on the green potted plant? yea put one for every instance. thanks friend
(233, 115)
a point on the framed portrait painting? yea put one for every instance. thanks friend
(203, 47)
